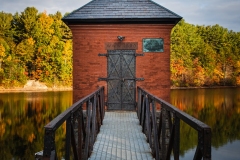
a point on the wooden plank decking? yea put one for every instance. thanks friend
(121, 138)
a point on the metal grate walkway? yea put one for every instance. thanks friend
(121, 138)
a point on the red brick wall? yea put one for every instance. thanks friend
(88, 42)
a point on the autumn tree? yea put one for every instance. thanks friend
(38, 46)
(35, 46)
(212, 51)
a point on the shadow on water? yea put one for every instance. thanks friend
(218, 108)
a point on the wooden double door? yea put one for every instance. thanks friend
(121, 80)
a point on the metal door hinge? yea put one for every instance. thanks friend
(139, 54)
(103, 54)
(139, 79)
(102, 79)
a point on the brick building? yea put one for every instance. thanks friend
(121, 44)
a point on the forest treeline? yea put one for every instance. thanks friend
(35, 46)
(204, 56)
(38, 46)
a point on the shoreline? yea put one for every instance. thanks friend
(8, 90)
(210, 87)
(34, 86)
(19, 89)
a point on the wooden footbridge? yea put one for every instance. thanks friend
(146, 133)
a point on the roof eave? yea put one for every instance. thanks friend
(173, 21)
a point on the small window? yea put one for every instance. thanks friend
(153, 45)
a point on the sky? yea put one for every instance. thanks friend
(197, 12)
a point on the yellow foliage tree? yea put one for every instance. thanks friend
(237, 65)
(2, 55)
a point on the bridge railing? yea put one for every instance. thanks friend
(164, 136)
(81, 131)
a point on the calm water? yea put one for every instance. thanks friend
(23, 116)
(220, 109)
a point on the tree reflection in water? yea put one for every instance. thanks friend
(22, 119)
(23, 116)
(219, 108)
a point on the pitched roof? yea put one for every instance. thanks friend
(122, 11)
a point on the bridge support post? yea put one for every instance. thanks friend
(49, 151)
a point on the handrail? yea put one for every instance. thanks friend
(165, 137)
(80, 135)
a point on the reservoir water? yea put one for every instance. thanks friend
(23, 116)
(220, 109)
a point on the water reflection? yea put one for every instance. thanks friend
(22, 118)
(220, 109)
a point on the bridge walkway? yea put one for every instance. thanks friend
(118, 135)
(121, 137)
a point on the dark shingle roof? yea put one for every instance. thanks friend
(122, 11)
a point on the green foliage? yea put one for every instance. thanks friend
(35, 46)
(204, 55)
